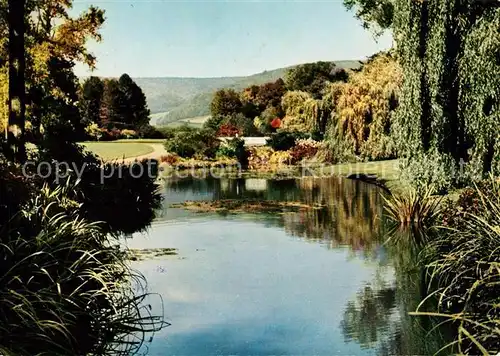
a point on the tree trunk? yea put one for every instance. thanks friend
(17, 92)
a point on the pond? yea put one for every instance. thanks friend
(317, 281)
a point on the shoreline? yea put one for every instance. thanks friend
(384, 174)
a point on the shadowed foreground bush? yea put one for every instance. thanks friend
(65, 288)
(465, 267)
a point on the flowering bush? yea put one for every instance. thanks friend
(259, 157)
(279, 158)
(276, 123)
(93, 131)
(228, 130)
(304, 149)
(128, 134)
(266, 157)
(170, 159)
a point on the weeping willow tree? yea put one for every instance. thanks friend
(362, 118)
(303, 113)
(449, 110)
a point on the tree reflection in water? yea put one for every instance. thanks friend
(351, 216)
(367, 319)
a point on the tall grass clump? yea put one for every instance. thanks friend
(65, 286)
(417, 208)
(464, 269)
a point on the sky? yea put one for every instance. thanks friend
(159, 38)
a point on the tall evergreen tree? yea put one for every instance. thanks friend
(91, 95)
(113, 104)
(135, 108)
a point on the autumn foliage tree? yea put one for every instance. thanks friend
(54, 42)
(363, 116)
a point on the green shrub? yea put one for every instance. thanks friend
(234, 148)
(187, 142)
(93, 131)
(124, 197)
(283, 141)
(151, 132)
(213, 123)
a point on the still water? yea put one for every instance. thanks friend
(316, 282)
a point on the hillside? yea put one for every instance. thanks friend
(174, 99)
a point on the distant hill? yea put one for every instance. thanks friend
(174, 99)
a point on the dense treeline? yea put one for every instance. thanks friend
(112, 104)
(260, 110)
(353, 112)
(66, 287)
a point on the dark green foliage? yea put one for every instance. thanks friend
(259, 98)
(226, 102)
(114, 103)
(14, 190)
(135, 112)
(244, 124)
(57, 114)
(148, 131)
(91, 95)
(188, 142)
(123, 197)
(283, 141)
(376, 15)
(270, 94)
(213, 123)
(127, 198)
(263, 122)
(450, 102)
(312, 77)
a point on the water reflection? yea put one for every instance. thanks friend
(254, 290)
(350, 217)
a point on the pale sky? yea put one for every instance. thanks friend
(147, 38)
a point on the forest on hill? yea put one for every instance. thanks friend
(174, 99)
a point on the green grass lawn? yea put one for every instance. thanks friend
(118, 150)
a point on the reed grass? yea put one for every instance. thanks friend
(413, 208)
(464, 271)
(65, 286)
